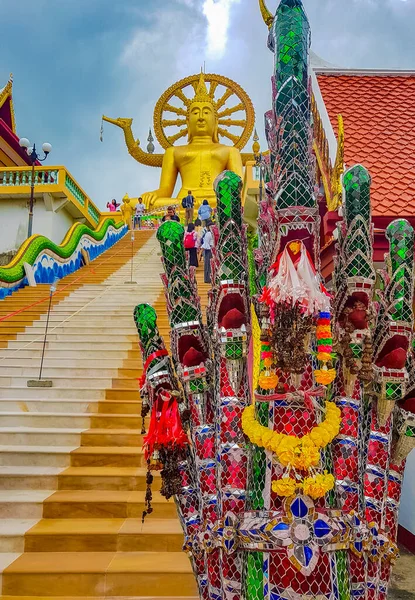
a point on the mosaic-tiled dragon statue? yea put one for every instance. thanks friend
(282, 423)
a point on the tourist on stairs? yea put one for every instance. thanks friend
(207, 245)
(140, 209)
(190, 245)
(205, 211)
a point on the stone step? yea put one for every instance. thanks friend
(61, 312)
(106, 456)
(24, 504)
(74, 420)
(99, 597)
(29, 478)
(37, 456)
(105, 478)
(12, 534)
(72, 364)
(111, 437)
(60, 355)
(92, 504)
(79, 336)
(129, 574)
(62, 382)
(38, 436)
(123, 319)
(74, 332)
(102, 535)
(79, 346)
(46, 420)
(78, 393)
(31, 370)
(56, 405)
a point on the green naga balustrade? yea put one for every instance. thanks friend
(290, 40)
(171, 238)
(401, 238)
(13, 276)
(228, 188)
(357, 217)
(145, 318)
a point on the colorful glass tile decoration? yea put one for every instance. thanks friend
(248, 539)
(290, 37)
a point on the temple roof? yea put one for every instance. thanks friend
(8, 127)
(6, 105)
(378, 109)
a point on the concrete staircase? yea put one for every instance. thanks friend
(72, 475)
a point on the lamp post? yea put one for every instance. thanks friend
(34, 156)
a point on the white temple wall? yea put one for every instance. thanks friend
(14, 217)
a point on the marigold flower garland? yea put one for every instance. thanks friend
(324, 336)
(302, 453)
(315, 487)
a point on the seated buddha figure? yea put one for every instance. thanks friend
(198, 162)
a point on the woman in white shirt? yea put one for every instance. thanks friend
(207, 245)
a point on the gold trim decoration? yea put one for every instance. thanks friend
(5, 94)
(220, 91)
(331, 175)
(338, 169)
(265, 13)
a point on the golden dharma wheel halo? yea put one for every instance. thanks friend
(235, 110)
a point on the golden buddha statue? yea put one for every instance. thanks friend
(127, 211)
(203, 158)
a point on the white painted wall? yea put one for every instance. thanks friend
(14, 216)
(407, 511)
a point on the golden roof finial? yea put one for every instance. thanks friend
(266, 15)
(8, 87)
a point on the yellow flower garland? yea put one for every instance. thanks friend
(299, 453)
(315, 487)
(318, 486)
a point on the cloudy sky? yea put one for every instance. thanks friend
(74, 60)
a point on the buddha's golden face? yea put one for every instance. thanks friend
(202, 120)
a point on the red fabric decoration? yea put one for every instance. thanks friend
(165, 429)
(409, 405)
(193, 358)
(358, 318)
(394, 360)
(233, 319)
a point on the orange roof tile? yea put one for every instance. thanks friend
(379, 123)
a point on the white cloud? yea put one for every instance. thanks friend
(217, 13)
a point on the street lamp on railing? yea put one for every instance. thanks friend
(34, 156)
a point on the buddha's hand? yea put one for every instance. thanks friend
(149, 199)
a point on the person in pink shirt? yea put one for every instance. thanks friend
(112, 206)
